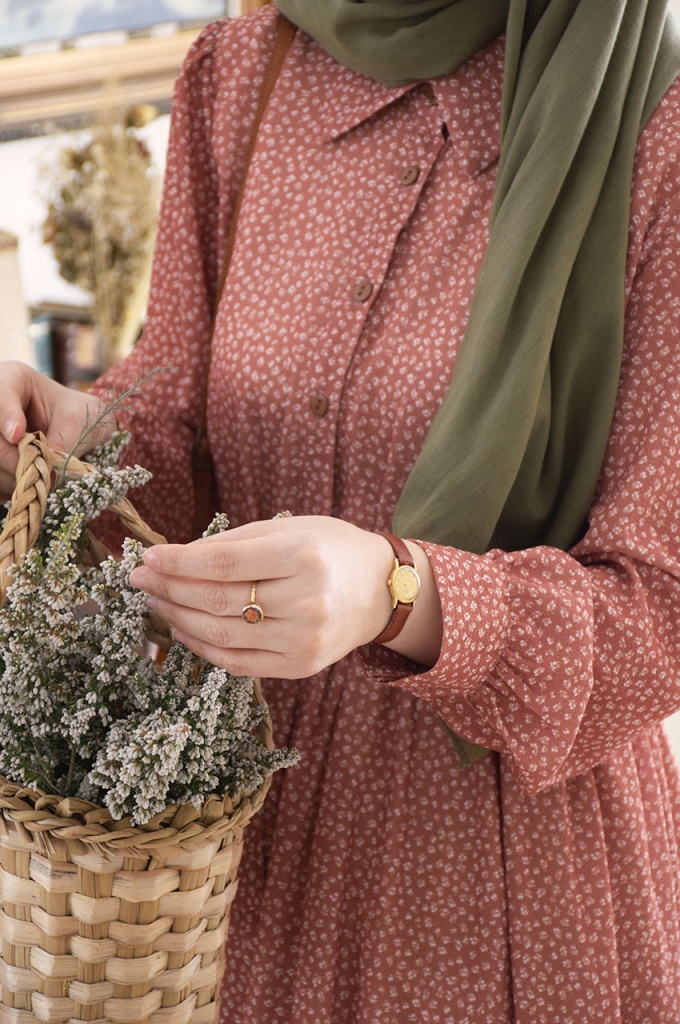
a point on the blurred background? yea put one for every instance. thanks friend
(85, 90)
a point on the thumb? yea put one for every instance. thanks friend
(13, 424)
(16, 392)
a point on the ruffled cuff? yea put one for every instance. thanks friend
(515, 669)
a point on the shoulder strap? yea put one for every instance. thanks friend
(285, 32)
(205, 490)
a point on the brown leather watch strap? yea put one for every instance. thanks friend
(395, 625)
(400, 612)
(400, 549)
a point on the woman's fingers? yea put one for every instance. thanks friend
(268, 556)
(225, 631)
(207, 595)
(268, 664)
(14, 398)
(273, 647)
(219, 599)
(319, 581)
(31, 401)
(16, 389)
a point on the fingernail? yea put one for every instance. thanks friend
(9, 429)
(152, 560)
(178, 636)
(152, 603)
(139, 578)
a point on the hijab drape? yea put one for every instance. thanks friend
(513, 455)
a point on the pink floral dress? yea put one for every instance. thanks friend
(381, 884)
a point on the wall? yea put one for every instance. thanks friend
(14, 336)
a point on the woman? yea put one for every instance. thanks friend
(379, 237)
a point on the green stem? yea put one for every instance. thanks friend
(132, 391)
(71, 772)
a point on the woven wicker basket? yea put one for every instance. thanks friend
(102, 921)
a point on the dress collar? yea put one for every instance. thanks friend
(469, 100)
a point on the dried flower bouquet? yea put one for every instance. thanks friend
(84, 711)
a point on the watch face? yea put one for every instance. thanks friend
(406, 584)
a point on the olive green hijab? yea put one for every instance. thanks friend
(514, 453)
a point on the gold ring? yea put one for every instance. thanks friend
(252, 612)
(285, 514)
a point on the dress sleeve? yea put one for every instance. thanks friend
(214, 103)
(553, 658)
(163, 420)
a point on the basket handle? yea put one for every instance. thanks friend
(36, 466)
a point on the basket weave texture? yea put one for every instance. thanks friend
(103, 921)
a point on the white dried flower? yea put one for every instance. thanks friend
(83, 710)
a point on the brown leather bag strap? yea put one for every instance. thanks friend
(202, 461)
(285, 32)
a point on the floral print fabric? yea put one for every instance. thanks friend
(381, 885)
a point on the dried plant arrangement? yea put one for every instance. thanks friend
(128, 785)
(84, 711)
(101, 221)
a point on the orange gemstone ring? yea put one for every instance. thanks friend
(252, 612)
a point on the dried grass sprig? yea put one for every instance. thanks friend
(101, 219)
(84, 710)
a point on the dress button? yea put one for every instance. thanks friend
(318, 403)
(409, 175)
(362, 290)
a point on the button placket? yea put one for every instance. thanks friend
(362, 290)
(318, 403)
(409, 175)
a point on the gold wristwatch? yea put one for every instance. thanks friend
(404, 586)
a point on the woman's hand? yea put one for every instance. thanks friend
(31, 401)
(321, 583)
